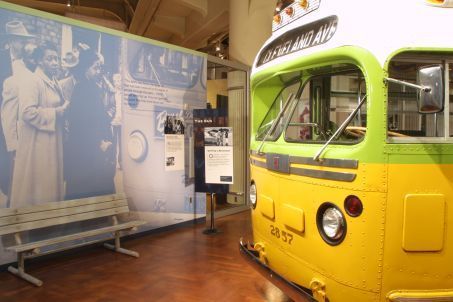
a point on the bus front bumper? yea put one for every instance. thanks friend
(295, 292)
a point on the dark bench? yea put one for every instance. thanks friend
(19, 222)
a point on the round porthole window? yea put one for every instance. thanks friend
(137, 146)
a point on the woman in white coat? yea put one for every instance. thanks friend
(38, 169)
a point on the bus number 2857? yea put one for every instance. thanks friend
(280, 234)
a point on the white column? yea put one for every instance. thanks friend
(237, 119)
(250, 27)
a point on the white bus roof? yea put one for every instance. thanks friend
(382, 27)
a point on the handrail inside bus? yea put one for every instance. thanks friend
(340, 129)
(277, 119)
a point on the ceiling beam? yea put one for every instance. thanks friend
(200, 6)
(62, 9)
(109, 23)
(199, 29)
(144, 15)
(174, 25)
(129, 10)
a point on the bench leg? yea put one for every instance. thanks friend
(117, 247)
(20, 271)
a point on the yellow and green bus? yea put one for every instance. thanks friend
(352, 151)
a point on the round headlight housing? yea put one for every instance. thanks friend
(331, 223)
(253, 195)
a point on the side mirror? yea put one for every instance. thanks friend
(430, 97)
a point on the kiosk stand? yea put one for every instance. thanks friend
(213, 142)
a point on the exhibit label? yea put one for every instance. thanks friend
(218, 155)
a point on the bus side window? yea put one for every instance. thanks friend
(325, 103)
(403, 119)
(450, 98)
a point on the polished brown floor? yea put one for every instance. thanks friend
(177, 265)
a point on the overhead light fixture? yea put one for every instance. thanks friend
(217, 46)
(289, 11)
(68, 4)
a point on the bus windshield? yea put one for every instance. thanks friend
(277, 106)
(325, 103)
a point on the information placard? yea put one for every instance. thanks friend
(174, 152)
(207, 124)
(218, 155)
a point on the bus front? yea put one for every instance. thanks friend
(351, 151)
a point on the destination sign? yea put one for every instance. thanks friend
(309, 35)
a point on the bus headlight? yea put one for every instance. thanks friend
(331, 223)
(253, 197)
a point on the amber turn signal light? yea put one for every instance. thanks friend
(304, 4)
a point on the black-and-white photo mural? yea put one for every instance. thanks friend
(83, 113)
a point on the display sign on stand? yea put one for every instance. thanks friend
(174, 143)
(213, 155)
(218, 154)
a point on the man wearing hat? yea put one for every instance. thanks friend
(10, 95)
(16, 36)
(12, 72)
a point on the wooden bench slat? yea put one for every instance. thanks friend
(90, 233)
(62, 213)
(61, 220)
(30, 217)
(61, 204)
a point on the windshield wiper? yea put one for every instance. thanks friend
(340, 129)
(274, 124)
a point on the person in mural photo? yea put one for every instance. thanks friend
(89, 151)
(10, 99)
(154, 59)
(179, 126)
(117, 118)
(38, 168)
(169, 125)
(67, 79)
(10, 95)
(14, 39)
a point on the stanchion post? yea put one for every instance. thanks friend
(211, 230)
